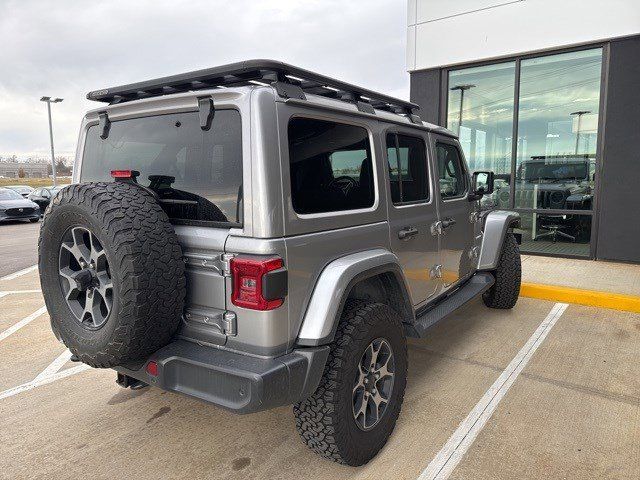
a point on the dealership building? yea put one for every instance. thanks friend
(23, 169)
(546, 94)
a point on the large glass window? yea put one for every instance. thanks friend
(480, 111)
(196, 173)
(331, 167)
(557, 130)
(556, 151)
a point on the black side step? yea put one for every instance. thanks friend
(476, 285)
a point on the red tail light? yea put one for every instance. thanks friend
(122, 174)
(250, 278)
(152, 368)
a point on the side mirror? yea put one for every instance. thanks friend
(481, 184)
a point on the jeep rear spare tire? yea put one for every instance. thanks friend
(111, 272)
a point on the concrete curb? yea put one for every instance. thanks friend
(592, 298)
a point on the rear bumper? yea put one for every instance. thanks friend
(232, 380)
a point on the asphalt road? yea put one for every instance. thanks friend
(18, 246)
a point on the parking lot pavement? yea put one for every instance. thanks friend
(18, 244)
(573, 412)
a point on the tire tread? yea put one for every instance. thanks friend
(506, 289)
(317, 417)
(149, 262)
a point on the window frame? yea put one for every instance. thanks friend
(395, 131)
(463, 164)
(374, 168)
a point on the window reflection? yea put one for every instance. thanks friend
(480, 111)
(557, 130)
(556, 234)
(555, 164)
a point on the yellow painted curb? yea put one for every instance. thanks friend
(615, 301)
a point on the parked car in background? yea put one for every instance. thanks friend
(43, 195)
(23, 190)
(14, 207)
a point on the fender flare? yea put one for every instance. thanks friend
(323, 312)
(496, 225)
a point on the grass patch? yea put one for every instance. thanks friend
(33, 182)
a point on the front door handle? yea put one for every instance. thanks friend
(448, 222)
(407, 232)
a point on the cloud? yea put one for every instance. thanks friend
(70, 47)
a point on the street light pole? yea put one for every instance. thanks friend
(579, 114)
(462, 88)
(49, 101)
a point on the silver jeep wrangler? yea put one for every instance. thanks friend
(257, 235)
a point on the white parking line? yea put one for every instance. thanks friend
(19, 273)
(54, 366)
(450, 455)
(43, 381)
(17, 292)
(22, 323)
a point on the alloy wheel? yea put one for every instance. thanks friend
(85, 277)
(373, 384)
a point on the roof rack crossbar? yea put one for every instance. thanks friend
(291, 80)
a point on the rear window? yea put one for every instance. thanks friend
(196, 173)
(331, 167)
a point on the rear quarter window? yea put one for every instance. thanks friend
(330, 165)
(196, 173)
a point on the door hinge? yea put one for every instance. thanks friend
(436, 271)
(225, 262)
(230, 323)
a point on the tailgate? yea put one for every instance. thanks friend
(205, 317)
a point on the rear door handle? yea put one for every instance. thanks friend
(407, 232)
(448, 222)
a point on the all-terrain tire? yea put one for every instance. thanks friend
(325, 420)
(145, 263)
(504, 292)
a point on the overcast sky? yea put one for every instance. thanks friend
(69, 47)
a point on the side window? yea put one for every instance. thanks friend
(331, 167)
(452, 178)
(46, 193)
(407, 169)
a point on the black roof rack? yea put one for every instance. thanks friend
(289, 81)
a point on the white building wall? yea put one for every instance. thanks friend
(449, 32)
